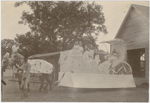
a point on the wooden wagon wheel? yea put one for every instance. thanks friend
(123, 68)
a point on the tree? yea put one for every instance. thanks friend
(56, 24)
(34, 43)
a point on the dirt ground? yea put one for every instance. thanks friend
(61, 94)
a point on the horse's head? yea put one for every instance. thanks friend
(17, 59)
(8, 62)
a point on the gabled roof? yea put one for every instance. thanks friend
(144, 10)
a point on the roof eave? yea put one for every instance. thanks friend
(131, 7)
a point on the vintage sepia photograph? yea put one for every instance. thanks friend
(74, 51)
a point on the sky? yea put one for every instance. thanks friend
(114, 12)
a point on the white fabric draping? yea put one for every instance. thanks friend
(40, 66)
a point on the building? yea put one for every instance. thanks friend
(135, 31)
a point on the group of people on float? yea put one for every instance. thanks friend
(89, 52)
(94, 59)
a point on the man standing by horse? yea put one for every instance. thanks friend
(24, 67)
(25, 73)
(25, 76)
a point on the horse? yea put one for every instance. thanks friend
(42, 76)
(19, 59)
(8, 62)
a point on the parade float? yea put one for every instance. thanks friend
(79, 68)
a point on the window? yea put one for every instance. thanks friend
(142, 61)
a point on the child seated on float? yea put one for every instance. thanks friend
(76, 46)
(77, 49)
(80, 47)
(86, 54)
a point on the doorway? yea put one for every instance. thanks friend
(136, 58)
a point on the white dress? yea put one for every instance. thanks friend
(81, 49)
(86, 57)
(77, 51)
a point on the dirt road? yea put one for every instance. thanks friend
(58, 94)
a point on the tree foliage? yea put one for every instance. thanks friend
(34, 43)
(55, 24)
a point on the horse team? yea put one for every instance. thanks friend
(23, 72)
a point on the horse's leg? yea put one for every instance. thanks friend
(26, 82)
(19, 85)
(25, 92)
(22, 85)
(50, 85)
(51, 77)
(28, 86)
(45, 88)
(22, 81)
(42, 82)
(19, 80)
(48, 82)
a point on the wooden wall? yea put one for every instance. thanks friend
(147, 64)
(135, 31)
